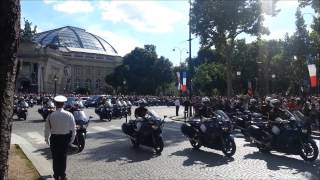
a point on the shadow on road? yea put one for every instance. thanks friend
(276, 162)
(36, 121)
(45, 152)
(120, 151)
(209, 159)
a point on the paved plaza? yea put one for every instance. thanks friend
(109, 155)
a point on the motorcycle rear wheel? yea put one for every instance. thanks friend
(158, 147)
(135, 143)
(263, 148)
(195, 143)
(229, 147)
(309, 150)
(80, 143)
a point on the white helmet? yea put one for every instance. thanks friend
(268, 99)
(275, 103)
(205, 99)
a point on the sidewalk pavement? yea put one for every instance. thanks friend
(42, 165)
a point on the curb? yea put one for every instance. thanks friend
(42, 165)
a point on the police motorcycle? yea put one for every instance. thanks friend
(104, 111)
(129, 106)
(124, 108)
(243, 119)
(287, 134)
(212, 132)
(30, 102)
(82, 123)
(21, 109)
(146, 129)
(117, 110)
(46, 109)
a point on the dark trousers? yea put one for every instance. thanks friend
(177, 110)
(59, 148)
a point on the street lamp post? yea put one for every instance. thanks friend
(180, 52)
(238, 77)
(124, 82)
(55, 84)
(273, 76)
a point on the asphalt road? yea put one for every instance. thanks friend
(109, 155)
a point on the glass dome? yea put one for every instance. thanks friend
(73, 37)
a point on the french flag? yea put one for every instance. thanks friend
(184, 82)
(313, 75)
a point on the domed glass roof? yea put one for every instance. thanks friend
(73, 37)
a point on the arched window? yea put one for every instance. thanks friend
(68, 85)
(88, 84)
(77, 84)
(98, 84)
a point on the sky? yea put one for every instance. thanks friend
(127, 24)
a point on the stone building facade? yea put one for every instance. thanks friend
(65, 59)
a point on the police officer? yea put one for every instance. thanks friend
(60, 126)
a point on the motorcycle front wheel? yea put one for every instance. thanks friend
(158, 147)
(195, 143)
(309, 150)
(135, 143)
(229, 147)
(80, 142)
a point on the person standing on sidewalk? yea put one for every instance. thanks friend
(177, 104)
(186, 104)
(60, 126)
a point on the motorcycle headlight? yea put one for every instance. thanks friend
(154, 127)
(305, 131)
(225, 128)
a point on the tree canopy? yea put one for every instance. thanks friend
(218, 23)
(142, 72)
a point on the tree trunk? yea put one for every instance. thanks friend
(9, 36)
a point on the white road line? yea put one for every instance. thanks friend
(115, 127)
(108, 129)
(98, 128)
(36, 137)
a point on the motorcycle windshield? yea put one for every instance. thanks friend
(24, 104)
(109, 104)
(50, 104)
(153, 115)
(222, 115)
(119, 103)
(80, 116)
(299, 116)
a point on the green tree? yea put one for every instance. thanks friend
(209, 77)
(163, 73)
(9, 37)
(301, 48)
(142, 72)
(315, 4)
(27, 33)
(218, 23)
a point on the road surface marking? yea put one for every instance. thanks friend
(109, 130)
